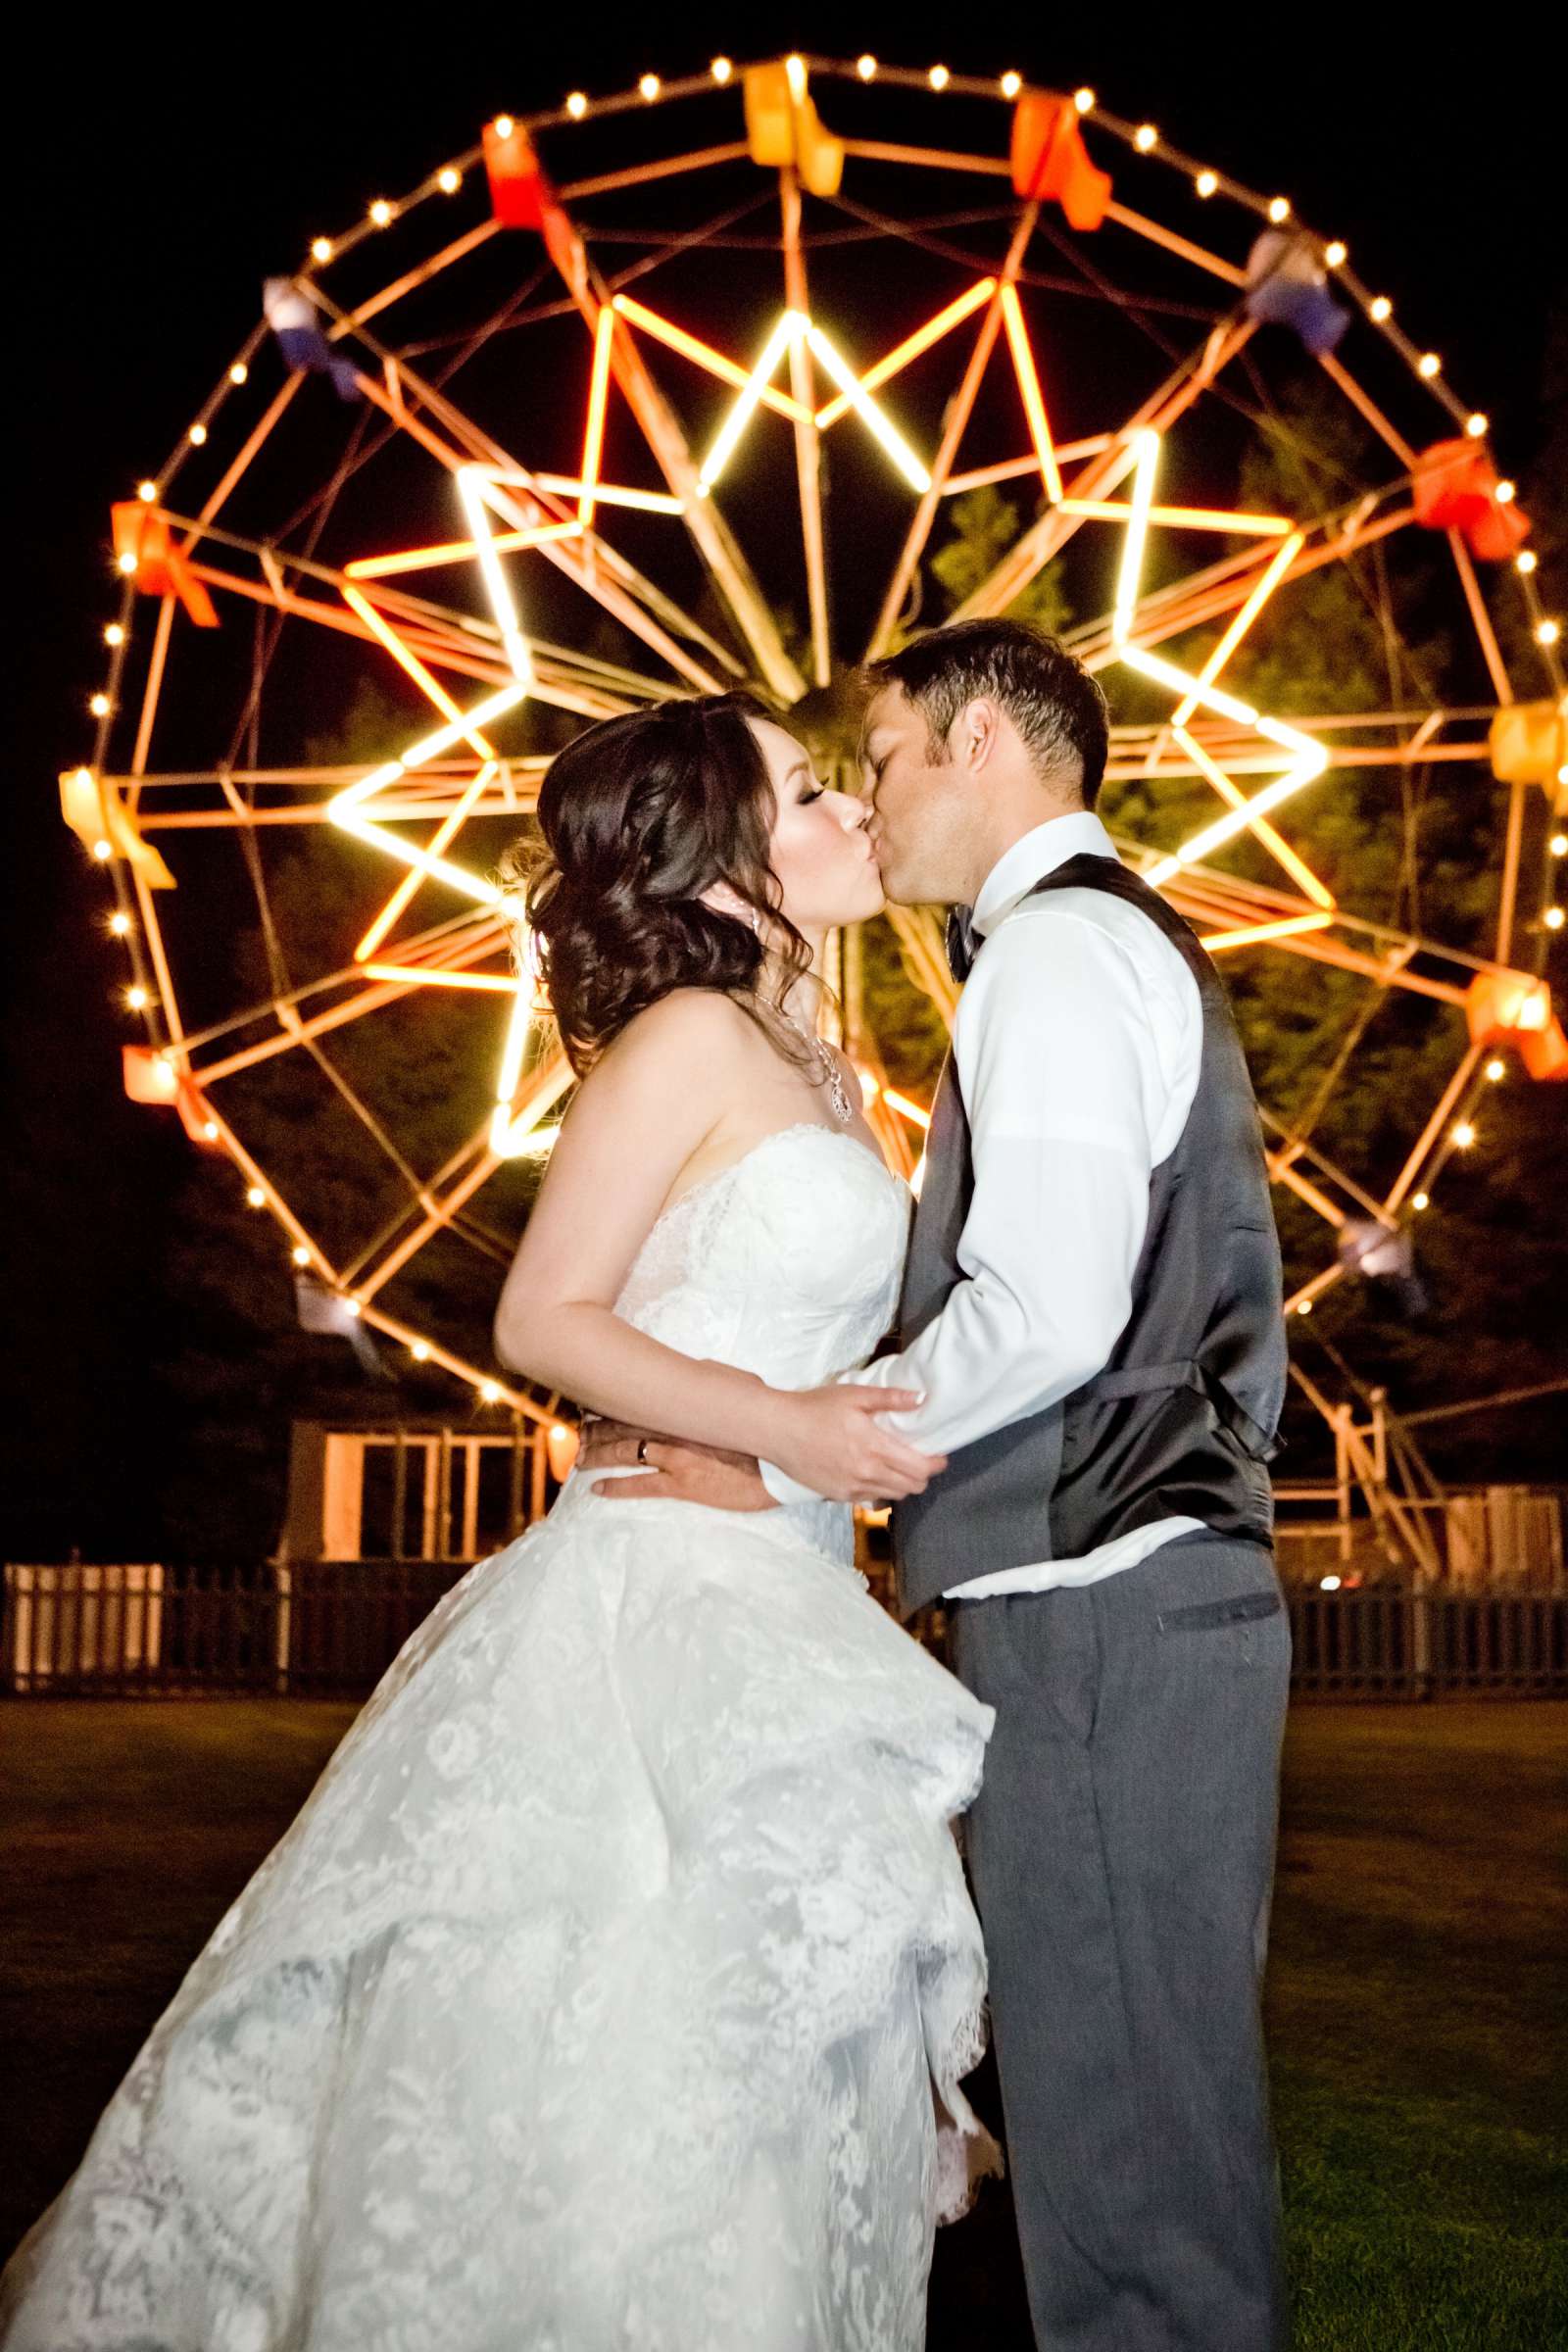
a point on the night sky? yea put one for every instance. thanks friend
(160, 166)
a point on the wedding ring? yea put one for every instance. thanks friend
(642, 1452)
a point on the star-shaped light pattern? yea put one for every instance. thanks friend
(489, 494)
(486, 494)
(1305, 760)
(359, 812)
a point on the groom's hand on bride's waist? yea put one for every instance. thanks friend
(840, 1446)
(671, 1469)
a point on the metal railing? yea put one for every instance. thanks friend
(1384, 1643)
(335, 1625)
(319, 1627)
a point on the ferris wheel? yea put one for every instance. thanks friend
(678, 388)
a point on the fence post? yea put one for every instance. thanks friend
(1421, 1606)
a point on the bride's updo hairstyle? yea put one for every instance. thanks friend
(640, 815)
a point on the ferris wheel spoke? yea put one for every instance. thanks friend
(1338, 373)
(255, 441)
(715, 544)
(1480, 617)
(463, 939)
(807, 447)
(565, 554)
(1157, 234)
(162, 631)
(1048, 536)
(956, 424)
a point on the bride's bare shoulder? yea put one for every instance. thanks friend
(694, 1038)
(689, 1020)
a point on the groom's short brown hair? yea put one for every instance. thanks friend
(1050, 697)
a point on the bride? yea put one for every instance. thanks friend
(615, 1986)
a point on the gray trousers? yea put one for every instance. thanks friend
(1122, 1853)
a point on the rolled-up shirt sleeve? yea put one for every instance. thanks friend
(1062, 1085)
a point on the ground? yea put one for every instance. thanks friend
(1416, 1992)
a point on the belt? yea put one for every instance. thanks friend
(1146, 1380)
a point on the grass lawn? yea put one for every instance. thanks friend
(1417, 2001)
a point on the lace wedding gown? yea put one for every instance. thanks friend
(595, 1997)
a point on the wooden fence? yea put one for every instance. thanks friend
(333, 1627)
(322, 1627)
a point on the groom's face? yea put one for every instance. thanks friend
(922, 816)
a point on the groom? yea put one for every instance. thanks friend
(1091, 1307)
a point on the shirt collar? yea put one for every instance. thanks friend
(1032, 856)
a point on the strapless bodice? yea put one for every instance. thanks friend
(787, 1264)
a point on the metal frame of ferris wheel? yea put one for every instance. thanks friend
(386, 599)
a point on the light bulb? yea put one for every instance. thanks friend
(1279, 209)
(381, 211)
(197, 435)
(1337, 254)
(449, 179)
(238, 373)
(1382, 308)
(103, 850)
(865, 66)
(1497, 1069)
(1328, 1583)
(119, 923)
(1558, 844)
(1144, 137)
(113, 634)
(419, 1351)
(136, 998)
(1476, 426)
(721, 69)
(300, 1255)
(255, 1196)
(1207, 182)
(939, 78)
(1553, 919)
(504, 126)
(1305, 1308)
(795, 75)
(1464, 1134)
(352, 1307)
(1547, 632)
(1428, 365)
(1011, 85)
(147, 492)
(125, 563)
(577, 104)
(1420, 1199)
(1083, 101)
(320, 249)
(1524, 561)
(489, 1393)
(99, 705)
(1505, 493)
(650, 87)
(210, 1130)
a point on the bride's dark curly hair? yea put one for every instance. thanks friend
(639, 816)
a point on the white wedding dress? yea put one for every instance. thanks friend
(595, 1997)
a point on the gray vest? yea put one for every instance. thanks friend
(1183, 1418)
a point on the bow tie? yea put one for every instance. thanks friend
(962, 943)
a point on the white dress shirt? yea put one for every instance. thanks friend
(1076, 1046)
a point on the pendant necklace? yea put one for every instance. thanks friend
(829, 1066)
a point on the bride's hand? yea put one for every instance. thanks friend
(832, 1440)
